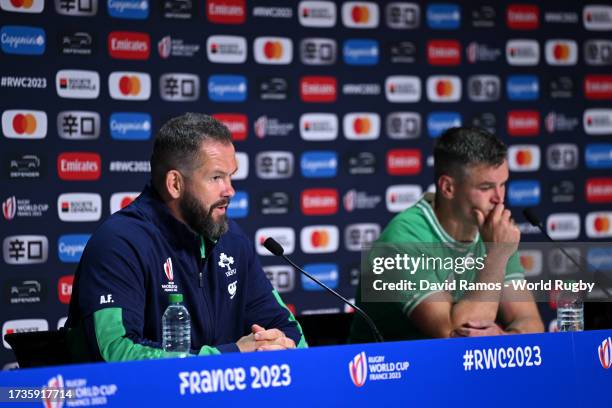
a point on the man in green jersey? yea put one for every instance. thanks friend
(466, 217)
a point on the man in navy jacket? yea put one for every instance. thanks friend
(176, 238)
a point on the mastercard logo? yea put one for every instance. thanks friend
(444, 88)
(524, 157)
(561, 52)
(527, 262)
(126, 201)
(24, 124)
(601, 224)
(362, 126)
(129, 85)
(319, 238)
(273, 50)
(25, 4)
(360, 14)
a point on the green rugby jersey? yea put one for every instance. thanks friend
(416, 227)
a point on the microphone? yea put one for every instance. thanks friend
(276, 249)
(535, 221)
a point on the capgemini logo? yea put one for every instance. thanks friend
(605, 353)
(358, 369)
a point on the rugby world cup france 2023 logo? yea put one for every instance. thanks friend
(605, 353)
(358, 369)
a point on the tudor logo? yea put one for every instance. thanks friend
(273, 50)
(237, 124)
(134, 86)
(24, 124)
(319, 239)
(444, 52)
(129, 45)
(318, 89)
(523, 123)
(523, 17)
(444, 88)
(360, 14)
(361, 126)
(403, 162)
(168, 270)
(524, 158)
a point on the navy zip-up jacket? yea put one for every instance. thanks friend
(142, 254)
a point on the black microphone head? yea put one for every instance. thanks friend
(531, 217)
(271, 245)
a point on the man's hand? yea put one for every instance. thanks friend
(261, 339)
(477, 329)
(499, 228)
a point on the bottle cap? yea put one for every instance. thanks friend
(176, 298)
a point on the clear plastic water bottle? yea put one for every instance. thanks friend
(176, 326)
(570, 311)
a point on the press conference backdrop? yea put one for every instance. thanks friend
(333, 106)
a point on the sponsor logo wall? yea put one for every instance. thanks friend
(333, 107)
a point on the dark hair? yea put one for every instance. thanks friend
(177, 144)
(460, 147)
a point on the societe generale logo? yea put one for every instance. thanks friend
(599, 224)
(561, 52)
(319, 239)
(79, 166)
(118, 201)
(444, 88)
(597, 121)
(79, 207)
(563, 226)
(226, 49)
(597, 17)
(360, 14)
(444, 52)
(604, 352)
(23, 6)
(64, 288)
(237, 123)
(598, 190)
(318, 89)
(358, 369)
(285, 236)
(273, 50)
(403, 88)
(523, 16)
(23, 326)
(319, 14)
(24, 124)
(361, 125)
(77, 84)
(522, 52)
(135, 86)
(598, 87)
(129, 45)
(319, 126)
(401, 196)
(226, 11)
(404, 162)
(319, 201)
(523, 123)
(523, 158)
